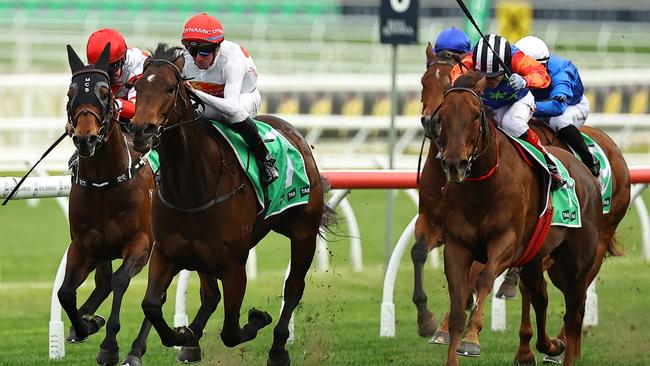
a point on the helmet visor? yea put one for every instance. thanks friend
(204, 49)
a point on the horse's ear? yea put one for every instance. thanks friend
(104, 58)
(479, 87)
(75, 62)
(429, 53)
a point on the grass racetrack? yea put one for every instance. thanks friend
(337, 322)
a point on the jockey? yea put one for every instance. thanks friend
(224, 76)
(452, 39)
(124, 69)
(562, 105)
(512, 102)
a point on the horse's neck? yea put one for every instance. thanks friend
(190, 164)
(110, 160)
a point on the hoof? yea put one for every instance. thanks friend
(561, 347)
(282, 359)
(440, 337)
(258, 318)
(186, 335)
(532, 362)
(468, 349)
(189, 355)
(131, 360)
(426, 326)
(507, 291)
(94, 323)
(72, 337)
(557, 360)
(108, 357)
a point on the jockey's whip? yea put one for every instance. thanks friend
(13, 191)
(471, 19)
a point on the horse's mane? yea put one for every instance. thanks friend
(165, 52)
(468, 79)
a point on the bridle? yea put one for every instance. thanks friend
(193, 99)
(435, 133)
(104, 104)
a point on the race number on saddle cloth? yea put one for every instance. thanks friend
(292, 188)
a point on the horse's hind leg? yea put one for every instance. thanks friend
(302, 253)
(532, 277)
(161, 272)
(131, 265)
(103, 273)
(234, 287)
(210, 297)
(423, 245)
(78, 266)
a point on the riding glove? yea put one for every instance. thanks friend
(517, 82)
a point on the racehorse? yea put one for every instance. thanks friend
(110, 210)
(434, 82)
(492, 201)
(205, 213)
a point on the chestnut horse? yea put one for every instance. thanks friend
(110, 210)
(434, 82)
(491, 212)
(205, 213)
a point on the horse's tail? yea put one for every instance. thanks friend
(329, 218)
(613, 247)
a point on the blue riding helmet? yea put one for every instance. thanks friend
(452, 39)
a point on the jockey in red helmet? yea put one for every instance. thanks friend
(225, 78)
(125, 68)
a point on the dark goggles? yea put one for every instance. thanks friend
(117, 65)
(203, 50)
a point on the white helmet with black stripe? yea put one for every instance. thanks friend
(486, 60)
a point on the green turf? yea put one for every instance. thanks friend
(338, 321)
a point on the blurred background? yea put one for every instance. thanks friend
(321, 64)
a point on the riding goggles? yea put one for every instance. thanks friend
(117, 65)
(203, 50)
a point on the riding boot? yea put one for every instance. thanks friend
(556, 179)
(247, 129)
(571, 136)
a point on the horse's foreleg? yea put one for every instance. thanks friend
(210, 297)
(132, 264)
(78, 266)
(524, 355)
(457, 263)
(103, 273)
(302, 253)
(423, 245)
(161, 272)
(234, 287)
(470, 345)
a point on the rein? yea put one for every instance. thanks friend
(163, 128)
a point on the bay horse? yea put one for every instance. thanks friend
(205, 213)
(492, 202)
(434, 82)
(110, 210)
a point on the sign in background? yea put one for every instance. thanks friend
(399, 21)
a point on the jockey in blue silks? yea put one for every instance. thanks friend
(452, 39)
(562, 105)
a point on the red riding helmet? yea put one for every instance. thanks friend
(202, 29)
(98, 41)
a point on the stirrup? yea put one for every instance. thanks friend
(269, 172)
(595, 168)
(556, 182)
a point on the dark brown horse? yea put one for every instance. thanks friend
(433, 85)
(205, 214)
(110, 210)
(493, 200)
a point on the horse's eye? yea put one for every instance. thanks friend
(171, 89)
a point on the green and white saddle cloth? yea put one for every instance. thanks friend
(605, 177)
(291, 188)
(566, 207)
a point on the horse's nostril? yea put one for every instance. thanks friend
(75, 139)
(149, 129)
(462, 166)
(92, 139)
